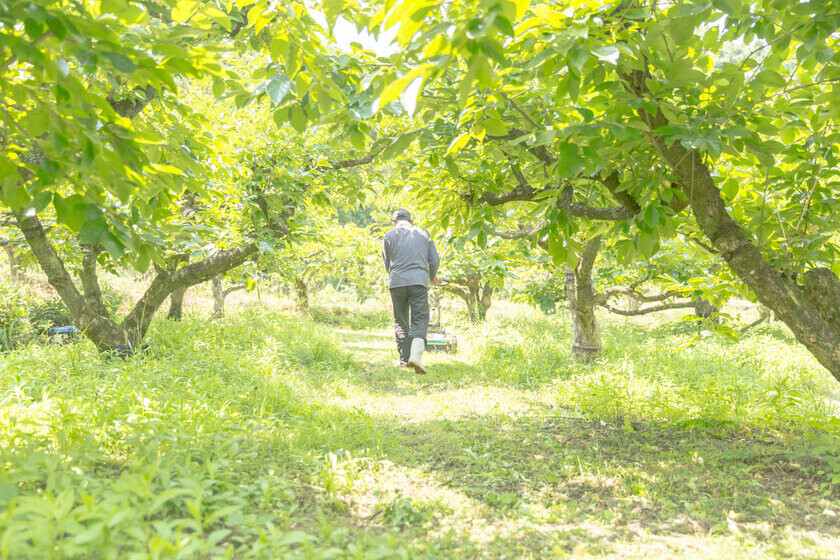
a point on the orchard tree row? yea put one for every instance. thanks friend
(188, 138)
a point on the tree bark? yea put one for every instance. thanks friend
(176, 304)
(14, 264)
(704, 309)
(99, 328)
(586, 334)
(218, 298)
(302, 294)
(138, 320)
(476, 296)
(484, 302)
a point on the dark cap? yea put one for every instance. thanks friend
(401, 214)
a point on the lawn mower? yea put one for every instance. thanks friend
(63, 335)
(438, 337)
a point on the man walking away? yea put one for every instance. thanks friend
(411, 260)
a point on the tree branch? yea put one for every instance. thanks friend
(348, 163)
(587, 257)
(613, 183)
(137, 322)
(50, 262)
(234, 288)
(90, 280)
(521, 111)
(652, 309)
(522, 232)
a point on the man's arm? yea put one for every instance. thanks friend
(386, 258)
(434, 259)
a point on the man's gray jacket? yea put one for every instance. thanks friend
(410, 256)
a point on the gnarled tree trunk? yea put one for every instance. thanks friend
(704, 309)
(218, 298)
(484, 301)
(301, 294)
(809, 312)
(586, 334)
(476, 295)
(89, 312)
(176, 304)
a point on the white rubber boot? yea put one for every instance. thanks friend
(416, 359)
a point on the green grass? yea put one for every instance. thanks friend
(266, 435)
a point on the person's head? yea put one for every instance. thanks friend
(400, 215)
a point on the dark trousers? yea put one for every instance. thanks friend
(411, 316)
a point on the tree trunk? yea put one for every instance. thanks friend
(704, 309)
(14, 265)
(301, 294)
(484, 302)
(810, 314)
(466, 297)
(89, 313)
(586, 334)
(218, 298)
(176, 304)
(765, 313)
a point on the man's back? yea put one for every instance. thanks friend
(410, 256)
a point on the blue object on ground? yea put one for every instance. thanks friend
(63, 330)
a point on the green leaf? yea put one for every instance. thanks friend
(298, 118)
(458, 143)
(88, 154)
(568, 159)
(398, 146)
(730, 189)
(37, 121)
(120, 62)
(93, 231)
(56, 26)
(495, 127)
(394, 89)
(144, 259)
(504, 25)
(577, 57)
(608, 53)
(8, 492)
(557, 249)
(770, 78)
(164, 168)
(70, 211)
(278, 88)
(646, 244)
(218, 86)
(729, 7)
(410, 95)
(15, 196)
(183, 10)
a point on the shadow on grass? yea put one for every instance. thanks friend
(604, 486)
